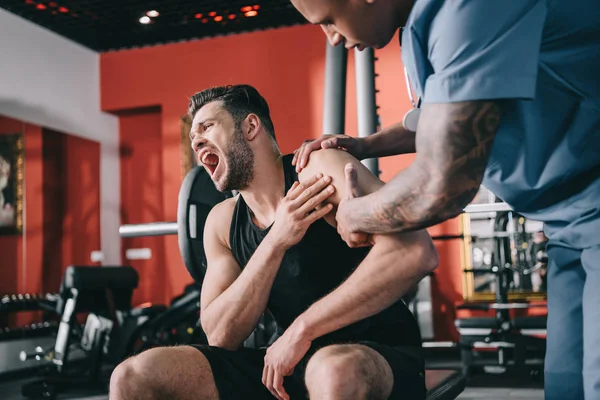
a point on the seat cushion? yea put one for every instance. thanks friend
(531, 322)
(477, 323)
(99, 278)
(444, 384)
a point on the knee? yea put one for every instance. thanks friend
(123, 380)
(337, 369)
(161, 373)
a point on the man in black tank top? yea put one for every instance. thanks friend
(346, 333)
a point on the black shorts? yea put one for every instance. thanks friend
(238, 374)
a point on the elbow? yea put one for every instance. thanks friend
(430, 261)
(428, 256)
(221, 340)
(222, 343)
(218, 337)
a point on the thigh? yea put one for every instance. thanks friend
(238, 374)
(564, 354)
(566, 280)
(590, 259)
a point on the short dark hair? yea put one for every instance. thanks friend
(238, 100)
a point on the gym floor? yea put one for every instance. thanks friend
(488, 387)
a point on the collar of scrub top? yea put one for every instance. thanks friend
(411, 118)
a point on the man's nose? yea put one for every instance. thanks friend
(334, 37)
(197, 144)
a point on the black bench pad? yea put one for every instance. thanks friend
(531, 322)
(444, 384)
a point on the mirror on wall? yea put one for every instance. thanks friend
(49, 208)
(502, 242)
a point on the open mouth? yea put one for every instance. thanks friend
(210, 161)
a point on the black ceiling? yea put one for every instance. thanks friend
(105, 25)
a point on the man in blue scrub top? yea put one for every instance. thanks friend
(509, 93)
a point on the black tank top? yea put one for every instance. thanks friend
(310, 270)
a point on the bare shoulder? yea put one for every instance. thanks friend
(326, 158)
(219, 221)
(332, 162)
(327, 162)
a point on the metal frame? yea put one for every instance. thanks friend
(366, 102)
(334, 101)
(468, 281)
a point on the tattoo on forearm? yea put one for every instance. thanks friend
(453, 146)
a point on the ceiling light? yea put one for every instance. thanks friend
(40, 7)
(231, 16)
(53, 4)
(198, 16)
(246, 9)
(204, 20)
(145, 20)
(153, 14)
(212, 14)
(251, 13)
(218, 18)
(256, 7)
(63, 9)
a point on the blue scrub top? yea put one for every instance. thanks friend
(543, 57)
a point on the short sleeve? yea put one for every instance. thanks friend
(484, 49)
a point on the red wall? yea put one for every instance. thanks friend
(142, 197)
(287, 66)
(71, 171)
(61, 208)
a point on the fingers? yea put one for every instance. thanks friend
(335, 143)
(298, 151)
(316, 200)
(278, 386)
(351, 183)
(318, 214)
(268, 381)
(306, 150)
(310, 189)
(265, 376)
(298, 187)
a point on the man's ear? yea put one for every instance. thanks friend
(251, 126)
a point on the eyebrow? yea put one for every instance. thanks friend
(201, 123)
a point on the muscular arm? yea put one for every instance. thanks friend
(453, 145)
(390, 141)
(394, 265)
(233, 299)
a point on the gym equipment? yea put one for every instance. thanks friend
(197, 196)
(513, 340)
(444, 384)
(105, 293)
(177, 325)
(29, 302)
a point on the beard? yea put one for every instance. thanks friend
(240, 164)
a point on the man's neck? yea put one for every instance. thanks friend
(266, 190)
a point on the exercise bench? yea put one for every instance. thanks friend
(444, 384)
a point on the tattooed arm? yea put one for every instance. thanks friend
(453, 143)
